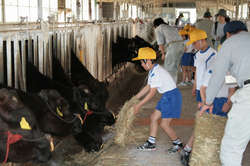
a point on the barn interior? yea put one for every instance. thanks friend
(37, 30)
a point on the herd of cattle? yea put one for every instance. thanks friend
(59, 107)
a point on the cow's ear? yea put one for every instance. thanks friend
(13, 98)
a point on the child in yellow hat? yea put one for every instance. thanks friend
(204, 60)
(185, 60)
(159, 79)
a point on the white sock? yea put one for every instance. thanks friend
(187, 148)
(151, 139)
(177, 141)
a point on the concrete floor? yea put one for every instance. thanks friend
(159, 157)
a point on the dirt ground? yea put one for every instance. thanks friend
(130, 81)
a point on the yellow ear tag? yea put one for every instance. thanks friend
(86, 106)
(59, 112)
(133, 42)
(135, 51)
(24, 124)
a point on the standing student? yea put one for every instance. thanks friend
(203, 59)
(166, 34)
(206, 24)
(177, 21)
(169, 105)
(233, 56)
(217, 30)
(185, 60)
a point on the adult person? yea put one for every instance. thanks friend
(206, 24)
(233, 56)
(177, 21)
(166, 34)
(217, 30)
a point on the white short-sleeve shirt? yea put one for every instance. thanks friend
(223, 92)
(203, 60)
(160, 78)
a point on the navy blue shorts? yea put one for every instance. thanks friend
(218, 104)
(170, 104)
(186, 59)
(198, 96)
(192, 59)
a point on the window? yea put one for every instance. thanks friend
(0, 11)
(85, 9)
(50, 8)
(14, 9)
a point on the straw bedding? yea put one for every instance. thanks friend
(208, 133)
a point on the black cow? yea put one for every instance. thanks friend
(12, 112)
(50, 107)
(36, 81)
(80, 75)
(94, 123)
(126, 49)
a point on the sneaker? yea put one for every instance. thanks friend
(174, 149)
(189, 83)
(182, 84)
(184, 157)
(147, 147)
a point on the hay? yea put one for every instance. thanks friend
(208, 133)
(124, 134)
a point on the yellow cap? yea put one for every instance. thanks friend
(197, 35)
(145, 53)
(192, 28)
(187, 27)
(190, 32)
(183, 32)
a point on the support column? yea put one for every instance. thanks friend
(100, 10)
(241, 13)
(237, 10)
(90, 11)
(78, 10)
(114, 11)
(40, 9)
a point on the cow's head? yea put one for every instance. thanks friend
(91, 137)
(60, 107)
(99, 89)
(140, 42)
(18, 119)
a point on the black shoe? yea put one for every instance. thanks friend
(147, 147)
(184, 157)
(174, 149)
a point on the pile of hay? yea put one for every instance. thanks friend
(124, 133)
(208, 133)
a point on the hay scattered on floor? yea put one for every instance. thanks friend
(124, 134)
(208, 133)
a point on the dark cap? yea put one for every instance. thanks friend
(222, 12)
(234, 26)
(207, 14)
(181, 15)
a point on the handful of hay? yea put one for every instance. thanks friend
(208, 133)
(125, 122)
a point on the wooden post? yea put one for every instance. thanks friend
(1, 61)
